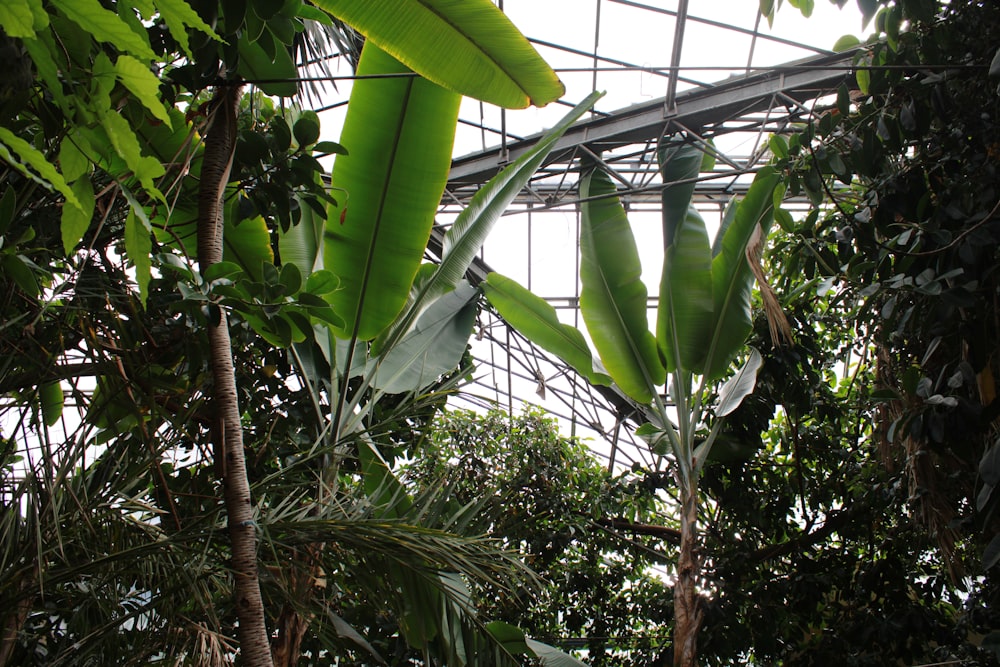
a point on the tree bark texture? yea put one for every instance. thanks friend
(220, 144)
(688, 610)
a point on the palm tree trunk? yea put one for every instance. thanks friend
(688, 611)
(220, 143)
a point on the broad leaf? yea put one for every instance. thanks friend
(685, 312)
(473, 225)
(732, 279)
(469, 47)
(274, 76)
(739, 386)
(247, 243)
(345, 630)
(178, 15)
(677, 164)
(399, 131)
(18, 19)
(536, 319)
(75, 221)
(300, 244)
(51, 399)
(139, 249)
(613, 296)
(142, 83)
(105, 26)
(434, 347)
(41, 170)
(551, 656)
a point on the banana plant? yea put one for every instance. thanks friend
(703, 319)
(404, 324)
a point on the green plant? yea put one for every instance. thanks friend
(702, 324)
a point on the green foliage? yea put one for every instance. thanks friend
(547, 498)
(400, 131)
(487, 58)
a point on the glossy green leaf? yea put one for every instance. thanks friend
(17, 19)
(846, 43)
(300, 244)
(72, 160)
(306, 129)
(105, 26)
(321, 282)
(732, 279)
(76, 220)
(434, 347)
(32, 163)
(179, 16)
(467, 234)
(551, 656)
(613, 297)
(144, 168)
(399, 131)
(679, 166)
(139, 249)
(248, 243)
(534, 317)
(274, 76)
(739, 386)
(685, 313)
(51, 398)
(142, 83)
(469, 47)
(19, 269)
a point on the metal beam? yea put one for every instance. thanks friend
(799, 81)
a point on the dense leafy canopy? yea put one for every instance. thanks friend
(847, 505)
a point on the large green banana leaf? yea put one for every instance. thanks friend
(400, 132)
(466, 236)
(679, 166)
(732, 279)
(432, 348)
(467, 46)
(684, 313)
(534, 317)
(613, 296)
(686, 309)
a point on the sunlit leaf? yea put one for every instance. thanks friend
(469, 47)
(105, 26)
(400, 132)
(139, 248)
(142, 83)
(76, 220)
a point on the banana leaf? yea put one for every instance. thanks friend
(613, 296)
(473, 225)
(536, 319)
(400, 132)
(469, 47)
(685, 313)
(677, 163)
(732, 279)
(434, 346)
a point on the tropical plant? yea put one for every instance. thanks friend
(591, 536)
(108, 80)
(703, 320)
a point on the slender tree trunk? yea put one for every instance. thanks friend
(220, 143)
(688, 611)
